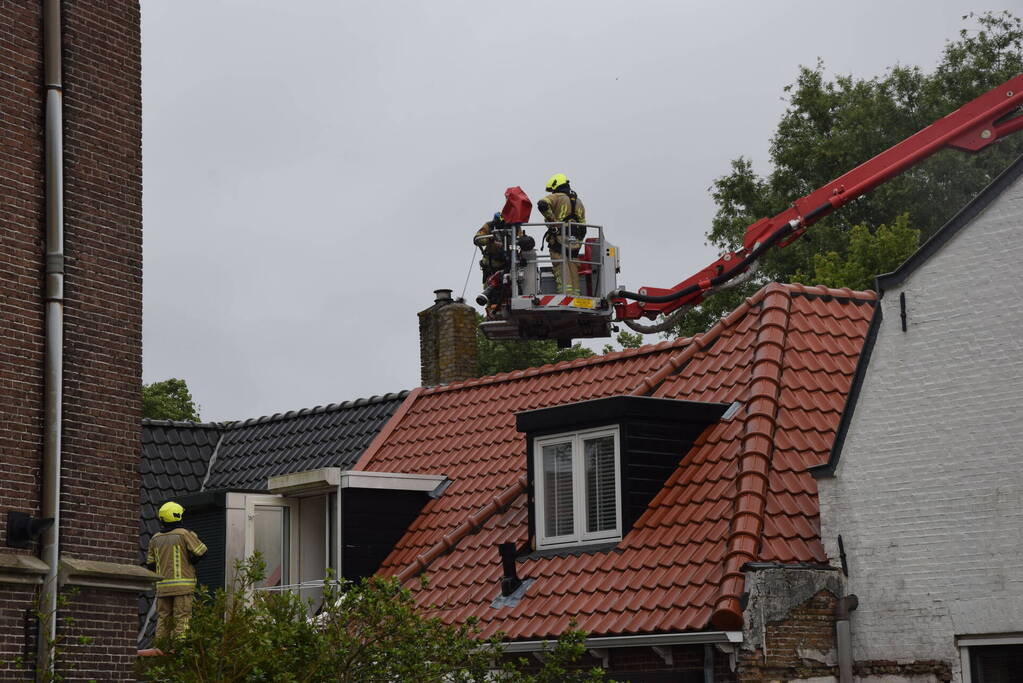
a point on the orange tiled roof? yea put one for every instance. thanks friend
(741, 494)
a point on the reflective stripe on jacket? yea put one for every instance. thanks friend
(170, 551)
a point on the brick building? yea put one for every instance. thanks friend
(93, 102)
(922, 501)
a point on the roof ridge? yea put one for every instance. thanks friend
(317, 410)
(757, 444)
(560, 366)
(154, 422)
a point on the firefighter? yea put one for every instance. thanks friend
(562, 205)
(495, 256)
(173, 553)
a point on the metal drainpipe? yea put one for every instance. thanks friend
(49, 550)
(843, 637)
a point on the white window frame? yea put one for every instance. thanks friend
(964, 644)
(261, 500)
(579, 536)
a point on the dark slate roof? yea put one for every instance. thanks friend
(326, 436)
(175, 456)
(187, 457)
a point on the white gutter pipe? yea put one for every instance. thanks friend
(49, 550)
(645, 640)
(843, 637)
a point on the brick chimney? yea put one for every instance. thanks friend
(447, 340)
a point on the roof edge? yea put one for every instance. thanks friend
(385, 432)
(639, 640)
(946, 232)
(828, 468)
(316, 410)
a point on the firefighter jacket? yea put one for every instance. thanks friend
(171, 552)
(558, 207)
(494, 256)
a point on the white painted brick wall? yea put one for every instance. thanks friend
(928, 494)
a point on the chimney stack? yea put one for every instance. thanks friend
(447, 340)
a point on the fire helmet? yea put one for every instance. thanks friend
(556, 181)
(171, 512)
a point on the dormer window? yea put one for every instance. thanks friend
(594, 466)
(578, 492)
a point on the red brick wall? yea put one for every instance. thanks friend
(103, 309)
(18, 629)
(103, 335)
(99, 644)
(21, 260)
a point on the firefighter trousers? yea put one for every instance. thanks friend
(173, 611)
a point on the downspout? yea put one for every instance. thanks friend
(49, 550)
(843, 637)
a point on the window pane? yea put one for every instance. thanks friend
(599, 455)
(271, 541)
(996, 663)
(557, 489)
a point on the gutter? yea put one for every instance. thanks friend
(49, 551)
(645, 640)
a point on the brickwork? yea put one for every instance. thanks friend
(928, 494)
(456, 348)
(103, 311)
(21, 232)
(18, 626)
(447, 341)
(108, 622)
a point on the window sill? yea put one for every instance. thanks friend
(569, 550)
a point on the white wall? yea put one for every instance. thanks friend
(928, 494)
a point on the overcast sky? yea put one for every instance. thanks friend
(314, 169)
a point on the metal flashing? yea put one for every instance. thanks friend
(502, 601)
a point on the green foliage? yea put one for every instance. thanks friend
(832, 125)
(366, 631)
(625, 339)
(57, 646)
(169, 400)
(868, 254)
(504, 356)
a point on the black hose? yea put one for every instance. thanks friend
(714, 281)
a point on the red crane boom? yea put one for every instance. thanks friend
(971, 128)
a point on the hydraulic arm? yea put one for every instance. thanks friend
(971, 128)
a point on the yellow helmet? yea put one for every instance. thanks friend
(171, 512)
(556, 181)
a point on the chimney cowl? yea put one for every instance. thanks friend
(443, 296)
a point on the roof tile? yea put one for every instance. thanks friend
(787, 355)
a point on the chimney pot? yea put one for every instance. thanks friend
(442, 295)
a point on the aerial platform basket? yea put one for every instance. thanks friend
(531, 301)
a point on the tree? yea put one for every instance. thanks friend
(504, 356)
(366, 631)
(831, 126)
(625, 339)
(169, 400)
(869, 254)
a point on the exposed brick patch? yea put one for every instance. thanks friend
(796, 647)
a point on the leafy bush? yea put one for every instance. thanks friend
(366, 631)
